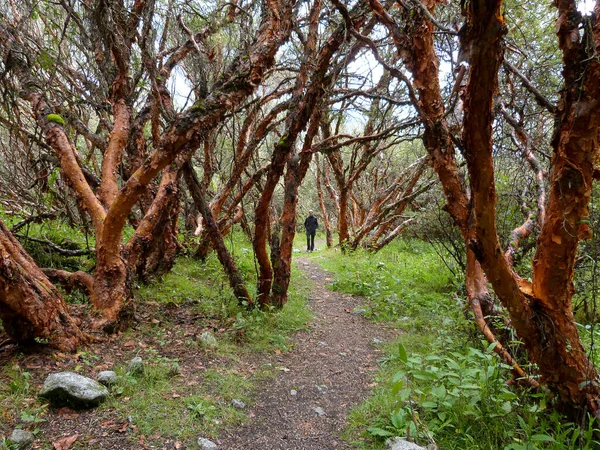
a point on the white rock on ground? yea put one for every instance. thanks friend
(238, 404)
(208, 339)
(205, 444)
(72, 389)
(107, 377)
(136, 366)
(400, 443)
(20, 438)
(320, 411)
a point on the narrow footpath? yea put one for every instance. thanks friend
(329, 370)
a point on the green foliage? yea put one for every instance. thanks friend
(151, 400)
(15, 398)
(205, 288)
(180, 379)
(59, 233)
(400, 282)
(431, 386)
(56, 118)
(460, 400)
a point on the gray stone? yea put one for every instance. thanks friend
(71, 389)
(107, 377)
(293, 392)
(321, 389)
(136, 366)
(208, 339)
(376, 341)
(400, 443)
(205, 444)
(320, 411)
(359, 311)
(21, 438)
(238, 404)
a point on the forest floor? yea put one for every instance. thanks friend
(301, 402)
(330, 370)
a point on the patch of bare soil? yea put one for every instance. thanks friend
(328, 372)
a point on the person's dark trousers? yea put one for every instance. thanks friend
(310, 241)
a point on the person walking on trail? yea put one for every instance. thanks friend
(311, 226)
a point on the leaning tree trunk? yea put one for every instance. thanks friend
(30, 306)
(297, 167)
(235, 279)
(418, 52)
(560, 354)
(337, 165)
(152, 249)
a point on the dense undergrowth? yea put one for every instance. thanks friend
(440, 383)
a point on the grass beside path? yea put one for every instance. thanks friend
(439, 383)
(187, 387)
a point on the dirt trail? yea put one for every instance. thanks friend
(329, 370)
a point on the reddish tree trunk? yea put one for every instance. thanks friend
(30, 306)
(418, 51)
(152, 249)
(324, 213)
(112, 291)
(559, 352)
(296, 171)
(297, 168)
(242, 159)
(305, 98)
(343, 196)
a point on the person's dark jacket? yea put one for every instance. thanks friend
(311, 224)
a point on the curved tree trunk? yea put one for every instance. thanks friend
(418, 51)
(307, 94)
(152, 249)
(30, 306)
(343, 196)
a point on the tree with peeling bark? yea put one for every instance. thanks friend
(316, 74)
(30, 306)
(539, 310)
(376, 182)
(126, 87)
(95, 89)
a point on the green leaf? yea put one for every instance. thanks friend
(424, 375)
(56, 119)
(398, 418)
(399, 376)
(379, 432)
(402, 355)
(397, 386)
(439, 391)
(542, 438)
